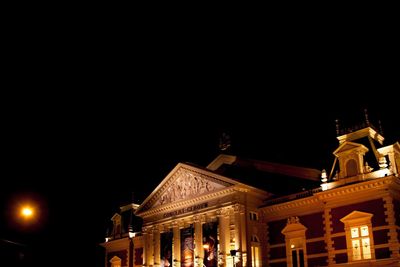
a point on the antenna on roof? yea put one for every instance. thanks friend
(337, 127)
(366, 116)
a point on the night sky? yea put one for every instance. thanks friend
(79, 163)
(85, 128)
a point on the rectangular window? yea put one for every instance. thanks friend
(354, 232)
(255, 253)
(297, 258)
(253, 216)
(366, 248)
(360, 243)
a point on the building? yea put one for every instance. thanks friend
(241, 212)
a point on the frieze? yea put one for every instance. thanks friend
(184, 183)
(187, 186)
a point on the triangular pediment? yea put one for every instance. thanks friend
(349, 146)
(185, 182)
(356, 215)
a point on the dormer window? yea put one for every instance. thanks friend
(116, 225)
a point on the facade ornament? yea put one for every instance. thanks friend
(293, 219)
(236, 208)
(187, 185)
(367, 168)
(382, 162)
(219, 212)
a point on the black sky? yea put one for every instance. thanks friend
(81, 161)
(87, 122)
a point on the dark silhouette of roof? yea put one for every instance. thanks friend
(278, 179)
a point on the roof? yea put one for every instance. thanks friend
(279, 179)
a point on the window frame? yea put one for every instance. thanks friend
(295, 239)
(358, 219)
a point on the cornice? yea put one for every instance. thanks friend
(354, 188)
(116, 244)
(188, 202)
(343, 194)
(288, 206)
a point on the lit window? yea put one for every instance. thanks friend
(360, 244)
(255, 251)
(359, 236)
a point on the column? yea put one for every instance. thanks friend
(150, 248)
(198, 241)
(146, 247)
(244, 235)
(224, 235)
(156, 252)
(238, 234)
(176, 256)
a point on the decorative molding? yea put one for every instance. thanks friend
(185, 186)
(188, 202)
(182, 170)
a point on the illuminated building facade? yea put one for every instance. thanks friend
(238, 212)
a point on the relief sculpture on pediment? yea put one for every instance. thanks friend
(187, 185)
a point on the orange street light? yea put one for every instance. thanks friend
(27, 212)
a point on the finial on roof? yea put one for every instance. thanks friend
(337, 127)
(224, 142)
(380, 126)
(366, 116)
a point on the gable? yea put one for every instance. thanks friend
(188, 185)
(348, 146)
(356, 215)
(185, 182)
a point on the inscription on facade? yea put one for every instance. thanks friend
(185, 210)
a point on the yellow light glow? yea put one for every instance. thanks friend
(27, 212)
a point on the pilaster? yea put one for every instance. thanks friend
(391, 221)
(327, 217)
